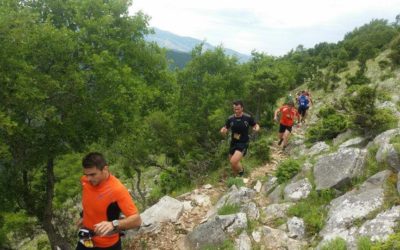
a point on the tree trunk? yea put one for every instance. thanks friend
(56, 240)
(139, 178)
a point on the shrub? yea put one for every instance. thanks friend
(286, 170)
(335, 244)
(364, 243)
(366, 118)
(312, 210)
(172, 180)
(395, 53)
(358, 79)
(383, 64)
(238, 182)
(260, 150)
(229, 209)
(395, 141)
(327, 127)
(392, 243)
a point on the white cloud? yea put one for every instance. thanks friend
(271, 26)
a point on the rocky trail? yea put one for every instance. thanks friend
(199, 204)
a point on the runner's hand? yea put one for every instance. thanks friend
(103, 227)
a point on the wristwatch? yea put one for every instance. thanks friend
(115, 224)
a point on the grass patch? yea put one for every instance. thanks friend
(335, 244)
(238, 182)
(392, 243)
(228, 244)
(391, 194)
(286, 170)
(395, 141)
(229, 209)
(371, 166)
(364, 243)
(313, 210)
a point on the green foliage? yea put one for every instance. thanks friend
(313, 210)
(229, 209)
(393, 242)
(369, 38)
(383, 64)
(330, 124)
(172, 179)
(335, 244)
(365, 117)
(395, 141)
(371, 165)
(68, 171)
(358, 79)
(237, 181)
(395, 51)
(15, 227)
(286, 170)
(391, 194)
(364, 243)
(228, 244)
(260, 149)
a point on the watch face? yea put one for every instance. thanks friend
(115, 223)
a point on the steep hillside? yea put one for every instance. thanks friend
(342, 195)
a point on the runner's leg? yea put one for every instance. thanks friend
(235, 162)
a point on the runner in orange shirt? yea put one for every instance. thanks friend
(104, 197)
(288, 113)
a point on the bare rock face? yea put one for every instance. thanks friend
(278, 239)
(167, 209)
(354, 205)
(337, 169)
(297, 190)
(318, 148)
(215, 231)
(296, 227)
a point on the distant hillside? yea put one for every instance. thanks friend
(179, 45)
(179, 58)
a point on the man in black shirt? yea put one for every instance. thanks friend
(239, 123)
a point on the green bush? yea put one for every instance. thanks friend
(395, 141)
(286, 170)
(365, 117)
(395, 53)
(260, 150)
(358, 79)
(238, 182)
(336, 244)
(229, 209)
(313, 210)
(364, 243)
(172, 180)
(383, 64)
(327, 127)
(392, 243)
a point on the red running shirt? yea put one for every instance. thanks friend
(104, 202)
(288, 114)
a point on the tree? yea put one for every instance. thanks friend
(71, 73)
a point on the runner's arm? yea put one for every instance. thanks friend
(133, 221)
(276, 114)
(223, 130)
(256, 127)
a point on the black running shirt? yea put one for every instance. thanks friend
(240, 127)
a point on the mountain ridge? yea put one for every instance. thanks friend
(174, 42)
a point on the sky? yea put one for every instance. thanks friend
(270, 26)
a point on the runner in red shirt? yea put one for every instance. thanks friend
(288, 113)
(104, 197)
